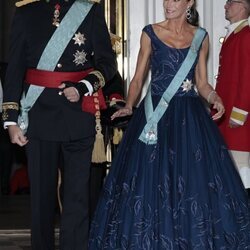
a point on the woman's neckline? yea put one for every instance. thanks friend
(167, 45)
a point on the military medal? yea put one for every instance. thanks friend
(80, 57)
(79, 38)
(187, 85)
(56, 20)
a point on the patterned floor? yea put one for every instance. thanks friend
(17, 240)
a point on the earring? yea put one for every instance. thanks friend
(188, 13)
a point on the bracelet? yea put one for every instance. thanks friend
(129, 110)
(212, 92)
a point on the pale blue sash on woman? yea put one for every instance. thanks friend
(149, 132)
(52, 54)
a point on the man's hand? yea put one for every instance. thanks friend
(73, 91)
(16, 135)
(69, 91)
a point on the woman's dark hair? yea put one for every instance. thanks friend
(194, 19)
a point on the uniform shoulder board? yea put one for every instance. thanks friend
(24, 2)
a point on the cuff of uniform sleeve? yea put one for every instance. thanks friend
(96, 79)
(89, 87)
(6, 124)
(239, 116)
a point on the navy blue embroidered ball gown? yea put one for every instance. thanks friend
(181, 193)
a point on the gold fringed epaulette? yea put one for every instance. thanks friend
(24, 2)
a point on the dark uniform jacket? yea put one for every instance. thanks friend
(53, 117)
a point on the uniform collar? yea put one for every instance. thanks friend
(236, 27)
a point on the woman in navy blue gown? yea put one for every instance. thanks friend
(172, 184)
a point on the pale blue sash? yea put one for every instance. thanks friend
(149, 132)
(52, 54)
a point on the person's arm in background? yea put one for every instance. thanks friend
(241, 106)
(114, 89)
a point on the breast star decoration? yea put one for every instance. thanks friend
(24, 2)
(187, 85)
(79, 38)
(80, 57)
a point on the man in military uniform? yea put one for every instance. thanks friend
(233, 85)
(60, 54)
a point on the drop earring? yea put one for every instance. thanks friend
(188, 13)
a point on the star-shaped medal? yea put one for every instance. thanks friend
(187, 85)
(80, 57)
(79, 38)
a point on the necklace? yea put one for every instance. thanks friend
(56, 20)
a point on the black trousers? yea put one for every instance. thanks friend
(6, 156)
(43, 162)
(97, 175)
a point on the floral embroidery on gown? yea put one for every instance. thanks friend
(181, 193)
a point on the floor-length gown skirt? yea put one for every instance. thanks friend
(181, 193)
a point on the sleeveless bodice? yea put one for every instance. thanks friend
(165, 63)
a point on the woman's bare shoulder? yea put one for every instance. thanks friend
(159, 26)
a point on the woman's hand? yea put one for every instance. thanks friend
(16, 135)
(218, 105)
(122, 112)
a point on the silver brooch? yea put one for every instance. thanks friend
(187, 85)
(79, 38)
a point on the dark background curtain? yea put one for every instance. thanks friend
(7, 8)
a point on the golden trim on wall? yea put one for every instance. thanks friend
(116, 17)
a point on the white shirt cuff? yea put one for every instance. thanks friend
(89, 86)
(6, 124)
